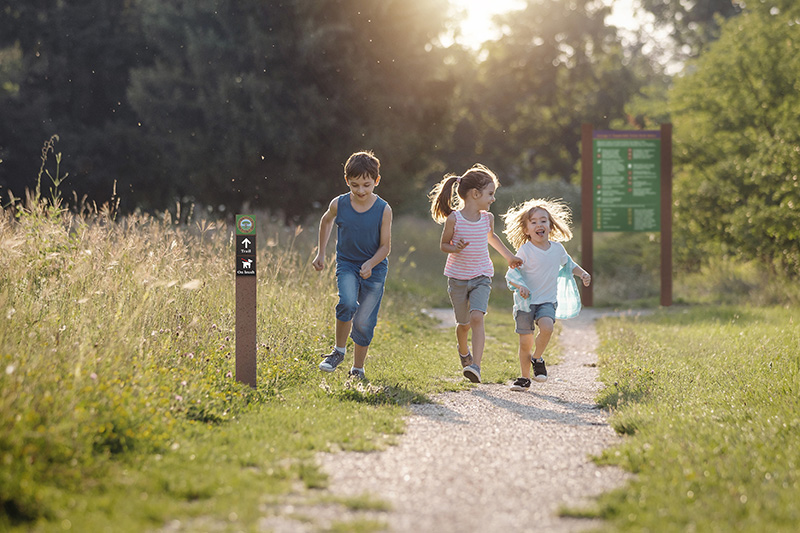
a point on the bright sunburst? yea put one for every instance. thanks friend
(477, 25)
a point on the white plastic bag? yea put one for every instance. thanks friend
(569, 298)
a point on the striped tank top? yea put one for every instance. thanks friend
(472, 261)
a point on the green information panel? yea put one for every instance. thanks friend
(627, 180)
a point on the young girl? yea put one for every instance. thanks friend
(468, 232)
(532, 229)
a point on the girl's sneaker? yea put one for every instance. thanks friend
(466, 360)
(539, 369)
(473, 373)
(521, 384)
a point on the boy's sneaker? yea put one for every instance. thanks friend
(332, 360)
(473, 373)
(358, 374)
(466, 360)
(521, 384)
(539, 369)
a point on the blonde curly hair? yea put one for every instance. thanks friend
(557, 211)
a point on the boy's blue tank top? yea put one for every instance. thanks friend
(358, 235)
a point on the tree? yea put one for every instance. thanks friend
(262, 102)
(71, 73)
(556, 67)
(692, 25)
(737, 132)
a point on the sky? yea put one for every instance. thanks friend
(477, 27)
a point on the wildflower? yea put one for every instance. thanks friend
(93, 376)
(229, 374)
(178, 397)
(10, 369)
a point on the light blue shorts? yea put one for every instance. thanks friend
(527, 320)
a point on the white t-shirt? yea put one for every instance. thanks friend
(540, 270)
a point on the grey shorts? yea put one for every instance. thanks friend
(469, 295)
(526, 320)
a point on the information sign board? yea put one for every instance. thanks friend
(626, 180)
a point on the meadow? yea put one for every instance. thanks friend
(120, 410)
(709, 399)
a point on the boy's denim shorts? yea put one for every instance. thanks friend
(527, 320)
(359, 299)
(469, 295)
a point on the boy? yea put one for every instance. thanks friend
(363, 241)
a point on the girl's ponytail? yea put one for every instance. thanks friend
(441, 198)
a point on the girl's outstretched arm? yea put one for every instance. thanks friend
(497, 244)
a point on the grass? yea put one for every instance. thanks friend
(118, 403)
(708, 398)
(119, 410)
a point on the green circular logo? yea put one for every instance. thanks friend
(246, 224)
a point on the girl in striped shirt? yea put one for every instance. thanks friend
(468, 232)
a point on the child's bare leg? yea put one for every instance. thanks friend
(342, 331)
(359, 355)
(478, 336)
(462, 335)
(545, 332)
(525, 346)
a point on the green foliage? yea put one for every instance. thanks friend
(69, 72)
(736, 137)
(556, 66)
(228, 103)
(265, 101)
(708, 398)
(113, 334)
(693, 25)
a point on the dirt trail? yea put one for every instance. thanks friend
(488, 459)
(491, 459)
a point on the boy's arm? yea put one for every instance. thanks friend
(446, 245)
(497, 244)
(385, 244)
(325, 227)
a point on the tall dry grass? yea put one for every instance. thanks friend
(115, 331)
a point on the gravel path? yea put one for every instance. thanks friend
(491, 459)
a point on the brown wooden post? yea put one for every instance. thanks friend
(587, 211)
(666, 214)
(246, 299)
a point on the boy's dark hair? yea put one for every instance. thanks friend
(362, 163)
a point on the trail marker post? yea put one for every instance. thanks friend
(246, 299)
(626, 185)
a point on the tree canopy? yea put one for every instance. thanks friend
(738, 143)
(257, 103)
